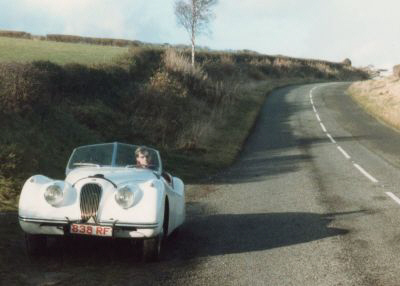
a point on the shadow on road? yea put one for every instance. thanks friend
(95, 261)
(202, 235)
(221, 234)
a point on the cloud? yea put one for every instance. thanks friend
(88, 17)
(131, 19)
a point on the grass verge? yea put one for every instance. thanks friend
(380, 98)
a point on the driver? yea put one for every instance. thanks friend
(143, 159)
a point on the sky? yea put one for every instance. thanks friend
(365, 31)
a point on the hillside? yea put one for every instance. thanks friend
(198, 117)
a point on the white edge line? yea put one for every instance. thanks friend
(323, 127)
(319, 119)
(331, 138)
(396, 199)
(314, 109)
(344, 152)
(365, 173)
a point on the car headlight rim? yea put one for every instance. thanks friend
(124, 197)
(54, 194)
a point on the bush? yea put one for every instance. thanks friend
(346, 62)
(25, 88)
(141, 63)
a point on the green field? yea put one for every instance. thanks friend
(23, 50)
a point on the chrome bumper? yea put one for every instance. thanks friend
(61, 227)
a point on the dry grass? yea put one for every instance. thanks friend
(177, 62)
(380, 97)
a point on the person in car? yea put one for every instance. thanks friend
(143, 159)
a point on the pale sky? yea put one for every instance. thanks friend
(366, 31)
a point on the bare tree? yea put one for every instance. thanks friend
(194, 16)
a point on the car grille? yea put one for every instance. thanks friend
(90, 200)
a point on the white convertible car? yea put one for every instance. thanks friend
(110, 190)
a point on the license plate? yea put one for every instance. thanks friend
(88, 229)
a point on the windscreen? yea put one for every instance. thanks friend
(114, 155)
(96, 155)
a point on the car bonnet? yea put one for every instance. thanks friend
(115, 175)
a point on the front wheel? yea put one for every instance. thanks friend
(152, 249)
(35, 244)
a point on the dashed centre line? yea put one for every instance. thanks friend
(365, 173)
(393, 196)
(323, 127)
(344, 153)
(347, 156)
(330, 137)
(314, 109)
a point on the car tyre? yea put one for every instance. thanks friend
(35, 244)
(152, 249)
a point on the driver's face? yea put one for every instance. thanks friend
(143, 160)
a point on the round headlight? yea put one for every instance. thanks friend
(124, 197)
(54, 194)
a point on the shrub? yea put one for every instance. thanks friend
(346, 62)
(24, 88)
(163, 84)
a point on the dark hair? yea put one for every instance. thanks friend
(142, 150)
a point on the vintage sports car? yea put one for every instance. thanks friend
(110, 190)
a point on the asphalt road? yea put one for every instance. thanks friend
(312, 200)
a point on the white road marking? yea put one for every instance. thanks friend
(396, 199)
(314, 109)
(343, 152)
(365, 173)
(331, 138)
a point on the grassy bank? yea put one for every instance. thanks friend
(379, 97)
(198, 117)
